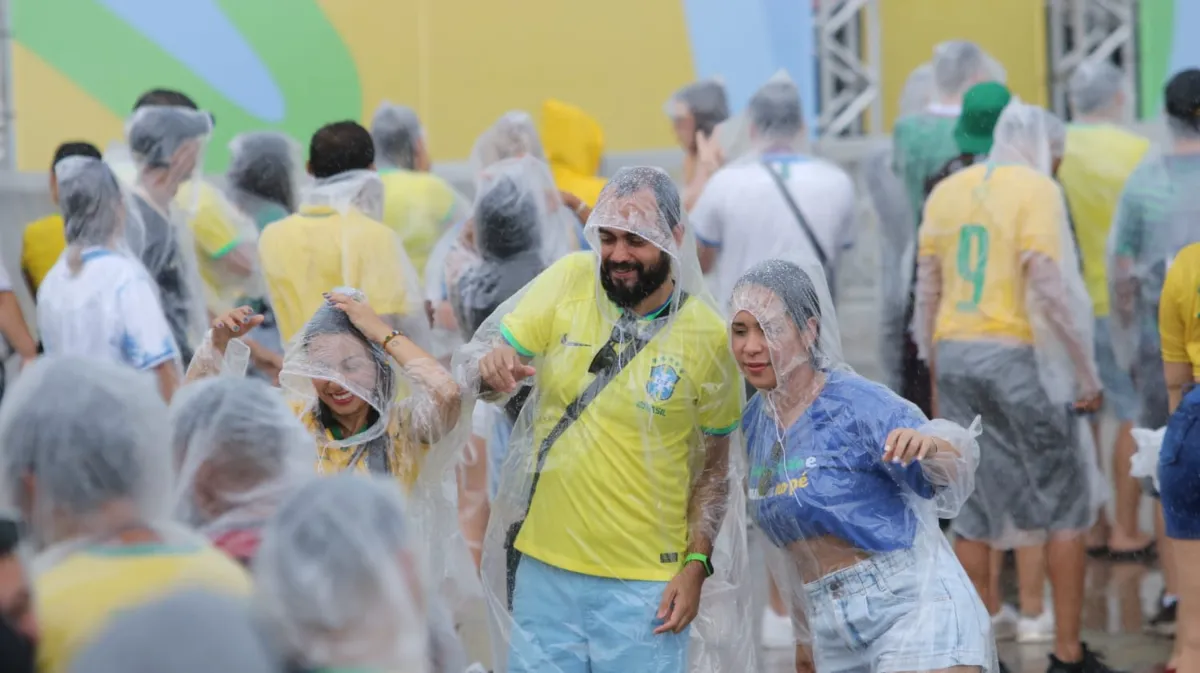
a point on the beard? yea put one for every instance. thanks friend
(647, 282)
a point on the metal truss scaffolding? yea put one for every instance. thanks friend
(848, 56)
(1090, 31)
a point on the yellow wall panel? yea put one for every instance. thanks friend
(54, 109)
(459, 61)
(1012, 31)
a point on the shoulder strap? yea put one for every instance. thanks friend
(605, 376)
(800, 219)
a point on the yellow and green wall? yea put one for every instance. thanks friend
(292, 65)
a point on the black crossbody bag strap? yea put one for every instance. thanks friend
(800, 219)
(572, 413)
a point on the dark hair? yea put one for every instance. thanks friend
(340, 147)
(166, 98)
(263, 168)
(1181, 98)
(631, 180)
(329, 320)
(75, 148)
(707, 102)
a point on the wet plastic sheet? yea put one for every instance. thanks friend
(609, 530)
(847, 481)
(337, 240)
(167, 147)
(1003, 312)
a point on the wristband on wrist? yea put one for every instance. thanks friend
(702, 559)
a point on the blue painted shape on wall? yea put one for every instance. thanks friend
(747, 41)
(189, 30)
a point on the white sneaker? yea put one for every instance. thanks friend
(1004, 623)
(1038, 629)
(777, 631)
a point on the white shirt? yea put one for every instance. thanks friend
(109, 310)
(743, 213)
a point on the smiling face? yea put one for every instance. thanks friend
(766, 342)
(346, 358)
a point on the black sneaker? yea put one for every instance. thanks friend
(1092, 662)
(1163, 623)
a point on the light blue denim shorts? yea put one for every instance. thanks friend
(565, 622)
(893, 613)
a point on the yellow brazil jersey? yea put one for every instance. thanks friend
(1098, 161)
(419, 207)
(318, 249)
(405, 456)
(1179, 310)
(612, 498)
(979, 223)
(41, 246)
(76, 598)
(216, 235)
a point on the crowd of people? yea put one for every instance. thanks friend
(307, 415)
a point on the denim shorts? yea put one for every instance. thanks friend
(1120, 397)
(565, 622)
(1179, 470)
(893, 613)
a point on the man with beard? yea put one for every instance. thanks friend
(636, 396)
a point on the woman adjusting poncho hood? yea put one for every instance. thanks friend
(619, 488)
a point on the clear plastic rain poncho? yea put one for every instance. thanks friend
(923, 142)
(514, 215)
(421, 207)
(397, 132)
(1158, 215)
(417, 421)
(560, 228)
(167, 146)
(98, 212)
(339, 241)
(340, 582)
(513, 135)
(851, 514)
(108, 449)
(240, 450)
(1014, 336)
(99, 300)
(646, 467)
(897, 232)
(266, 175)
(187, 632)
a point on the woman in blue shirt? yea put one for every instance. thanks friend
(847, 480)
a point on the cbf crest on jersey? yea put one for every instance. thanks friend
(664, 374)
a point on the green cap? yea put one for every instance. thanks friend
(981, 108)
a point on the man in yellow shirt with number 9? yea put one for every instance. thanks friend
(1004, 320)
